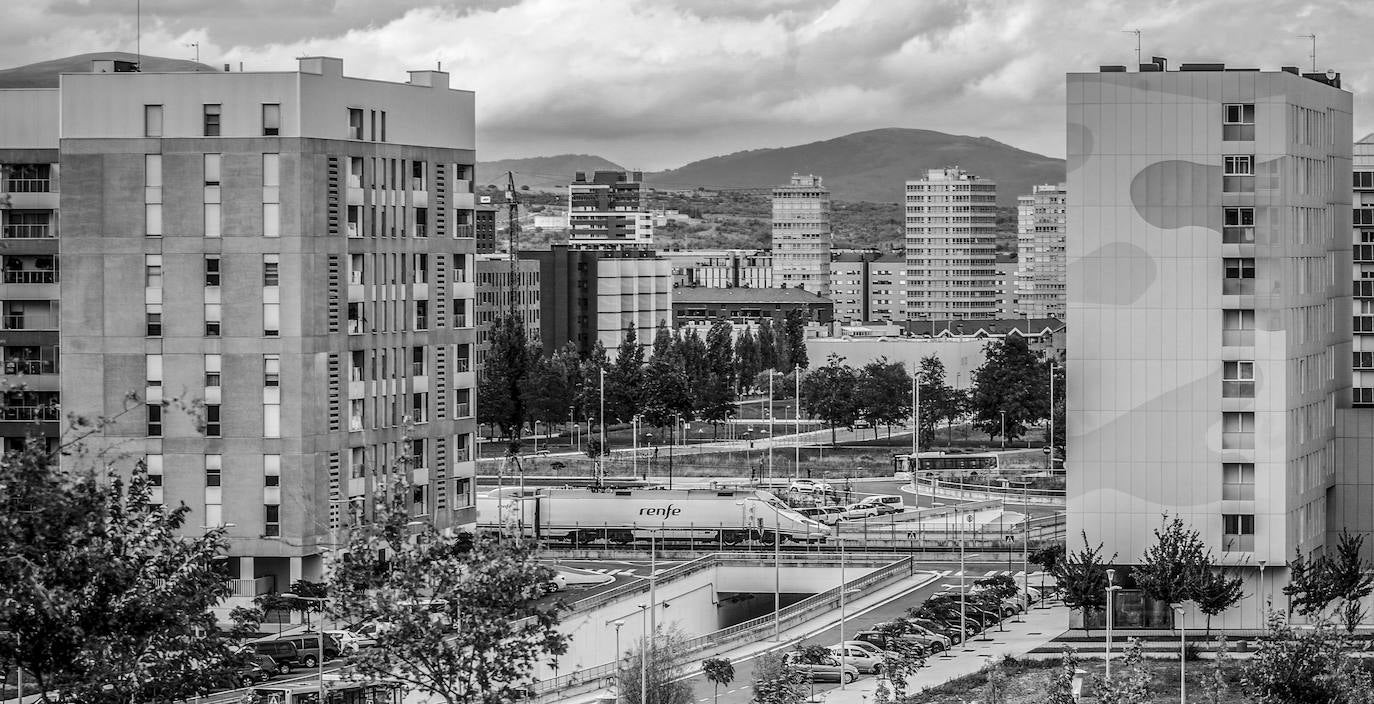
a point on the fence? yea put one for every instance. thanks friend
(252, 587)
(951, 490)
(787, 617)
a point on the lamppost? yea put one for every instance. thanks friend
(770, 428)
(648, 438)
(601, 421)
(634, 440)
(796, 441)
(618, 625)
(844, 587)
(1111, 593)
(1263, 603)
(963, 588)
(643, 655)
(777, 574)
(319, 660)
(1004, 429)
(1182, 655)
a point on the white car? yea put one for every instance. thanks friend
(865, 656)
(810, 486)
(350, 642)
(857, 511)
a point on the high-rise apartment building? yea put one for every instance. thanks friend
(868, 287)
(608, 209)
(1040, 225)
(287, 253)
(720, 268)
(951, 247)
(484, 225)
(494, 291)
(1207, 248)
(595, 295)
(801, 235)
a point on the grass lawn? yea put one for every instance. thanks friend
(1029, 680)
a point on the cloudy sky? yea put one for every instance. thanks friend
(653, 84)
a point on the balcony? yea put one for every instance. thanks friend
(1237, 543)
(1238, 133)
(30, 366)
(463, 231)
(1238, 338)
(1238, 235)
(1238, 287)
(48, 413)
(462, 410)
(28, 231)
(30, 277)
(1237, 441)
(28, 185)
(1237, 492)
(1237, 389)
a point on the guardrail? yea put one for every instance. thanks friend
(788, 617)
(950, 490)
(668, 575)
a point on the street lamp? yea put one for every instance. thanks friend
(1182, 655)
(1004, 429)
(1111, 592)
(618, 625)
(319, 660)
(1262, 604)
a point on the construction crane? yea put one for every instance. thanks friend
(512, 235)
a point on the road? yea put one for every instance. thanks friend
(739, 691)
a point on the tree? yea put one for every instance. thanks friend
(768, 352)
(667, 393)
(938, 401)
(311, 590)
(1214, 684)
(102, 599)
(625, 379)
(1002, 586)
(1350, 577)
(1173, 567)
(776, 681)
(884, 393)
(467, 623)
(1216, 592)
(695, 368)
(1082, 579)
(1131, 683)
(902, 659)
(1060, 690)
(1013, 381)
(794, 332)
(662, 687)
(718, 394)
(828, 393)
(995, 688)
(663, 340)
(500, 389)
(1048, 557)
(1313, 585)
(553, 385)
(719, 671)
(747, 360)
(589, 387)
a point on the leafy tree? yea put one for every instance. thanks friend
(1131, 683)
(1296, 666)
(938, 400)
(311, 590)
(1314, 585)
(691, 350)
(1048, 557)
(776, 681)
(1061, 432)
(1060, 690)
(662, 687)
(747, 360)
(589, 388)
(466, 621)
(625, 378)
(884, 393)
(1216, 592)
(1002, 586)
(719, 671)
(794, 332)
(1013, 381)
(500, 388)
(1173, 567)
(553, 385)
(667, 393)
(663, 340)
(995, 688)
(828, 393)
(903, 659)
(718, 394)
(1215, 686)
(768, 351)
(1082, 578)
(102, 599)
(1350, 576)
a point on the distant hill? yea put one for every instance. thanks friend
(541, 171)
(873, 165)
(44, 74)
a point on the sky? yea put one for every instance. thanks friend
(654, 84)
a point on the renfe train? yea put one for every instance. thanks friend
(586, 516)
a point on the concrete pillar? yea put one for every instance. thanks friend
(246, 567)
(295, 570)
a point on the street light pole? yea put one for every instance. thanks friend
(618, 624)
(643, 655)
(963, 591)
(796, 418)
(777, 574)
(319, 659)
(1111, 593)
(1004, 429)
(770, 428)
(1182, 656)
(915, 462)
(844, 587)
(601, 420)
(1262, 605)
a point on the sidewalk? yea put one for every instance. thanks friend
(1039, 628)
(788, 637)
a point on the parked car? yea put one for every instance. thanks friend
(282, 652)
(887, 503)
(865, 656)
(951, 632)
(308, 648)
(823, 514)
(887, 642)
(827, 671)
(349, 641)
(931, 642)
(810, 486)
(854, 511)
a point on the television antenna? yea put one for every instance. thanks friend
(1136, 32)
(1313, 55)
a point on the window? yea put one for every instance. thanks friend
(270, 267)
(212, 370)
(1238, 173)
(155, 420)
(212, 422)
(1238, 532)
(271, 119)
(212, 270)
(271, 520)
(271, 395)
(1238, 328)
(152, 171)
(1238, 380)
(1238, 430)
(417, 361)
(212, 114)
(271, 319)
(419, 407)
(152, 314)
(355, 123)
(152, 120)
(152, 218)
(1363, 217)
(1238, 481)
(383, 137)
(462, 359)
(1239, 227)
(212, 220)
(1364, 360)
(1364, 180)
(421, 314)
(1239, 123)
(271, 470)
(462, 404)
(212, 169)
(152, 270)
(212, 319)
(271, 220)
(1239, 276)
(214, 467)
(271, 371)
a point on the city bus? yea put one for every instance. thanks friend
(335, 692)
(942, 463)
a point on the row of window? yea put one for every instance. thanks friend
(210, 419)
(212, 115)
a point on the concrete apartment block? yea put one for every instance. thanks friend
(1040, 224)
(801, 235)
(951, 247)
(1207, 250)
(291, 253)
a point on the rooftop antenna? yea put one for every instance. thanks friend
(1136, 32)
(138, 34)
(197, 46)
(1313, 55)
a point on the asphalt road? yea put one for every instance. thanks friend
(739, 691)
